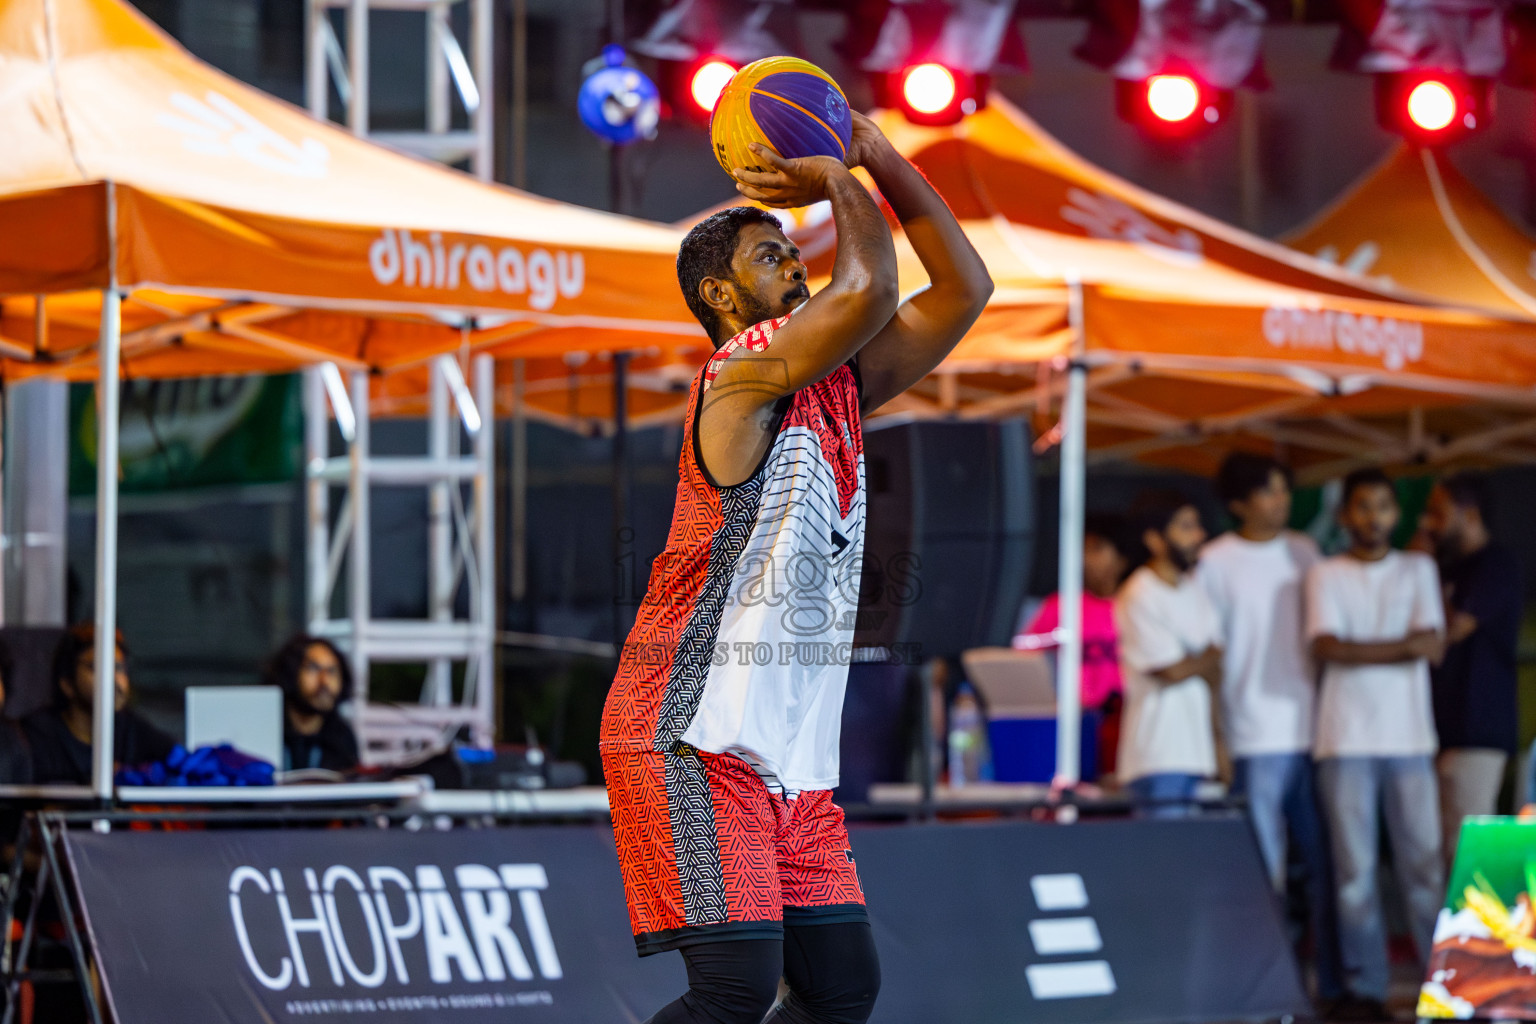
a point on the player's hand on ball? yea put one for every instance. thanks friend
(867, 136)
(787, 184)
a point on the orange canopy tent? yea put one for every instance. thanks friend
(157, 215)
(1414, 222)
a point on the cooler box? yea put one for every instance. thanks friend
(1024, 749)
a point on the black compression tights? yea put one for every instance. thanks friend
(831, 969)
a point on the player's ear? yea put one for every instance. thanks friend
(718, 294)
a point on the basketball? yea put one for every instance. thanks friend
(789, 105)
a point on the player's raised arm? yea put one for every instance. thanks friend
(862, 295)
(736, 423)
(930, 323)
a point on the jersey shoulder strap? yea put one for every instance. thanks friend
(754, 339)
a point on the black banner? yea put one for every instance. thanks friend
(471, 926)
(1108, 922)
(1104, 922)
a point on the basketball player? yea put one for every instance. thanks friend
(720, 735)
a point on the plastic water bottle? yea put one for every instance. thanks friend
(967, 740)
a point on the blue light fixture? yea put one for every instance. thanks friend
(617, 101)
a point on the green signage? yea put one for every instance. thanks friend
(193, 432)
(1484, 959)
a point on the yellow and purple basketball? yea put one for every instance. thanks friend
(789, 105)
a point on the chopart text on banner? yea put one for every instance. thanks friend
(1395, 342)
(416, 262)
(278, 925)
(464, 930)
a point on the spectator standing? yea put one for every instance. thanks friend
(1375, 620)
(1475, 686)
(60, 735)
(1169, 659)
(315, 680)
(1255, 576)
(1107, 554)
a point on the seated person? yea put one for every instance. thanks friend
(315, 679)
(60, 735)
(15, 759)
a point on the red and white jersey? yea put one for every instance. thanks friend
(742, 642)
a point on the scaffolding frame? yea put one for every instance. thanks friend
(460, 534)
(460, 546)
(449, 71)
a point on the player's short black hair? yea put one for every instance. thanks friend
(706, 252)
(1371, 476)
(1154, 509)
(1242, 473)
(1468, 490)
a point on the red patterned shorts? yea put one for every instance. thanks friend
(708, 853)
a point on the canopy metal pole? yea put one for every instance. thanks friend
(485, 546)
(317, 448)
(442, 583)
(106, 544)
(1069, 584)
(361, 571)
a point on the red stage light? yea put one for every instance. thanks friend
(1432, 105)
(1435, 108)
(928, 88)
(708, 82)
(932, 94)
(1172, 98)
(1173, 107)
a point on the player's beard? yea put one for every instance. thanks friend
(753, 309)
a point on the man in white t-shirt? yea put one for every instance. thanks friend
(1255, 576)
(1169, 659)
(1376, 621)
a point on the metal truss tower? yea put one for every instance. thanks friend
(449, 71)
(457, 639)
(460, 628)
